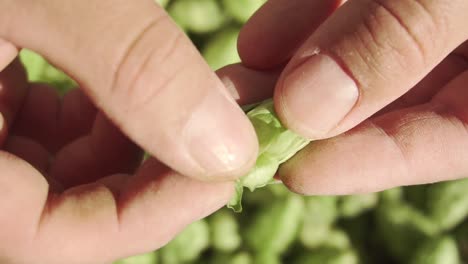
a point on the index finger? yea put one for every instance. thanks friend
(140, 69)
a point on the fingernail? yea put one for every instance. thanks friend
(220, 138)
(316, 96)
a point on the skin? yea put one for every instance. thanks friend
(73, 185)
(116, 52)
(75, 188)
(405, 60)
(379, 85)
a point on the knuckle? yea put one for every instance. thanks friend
(147, 67)
(389, 36)
(417, 24)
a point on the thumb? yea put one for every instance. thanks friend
(366, 55)
(140, 69)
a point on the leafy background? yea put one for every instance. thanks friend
(419, 224)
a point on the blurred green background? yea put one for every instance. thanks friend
(421, 224)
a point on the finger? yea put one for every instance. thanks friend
(149, 79)
(76, 117)
(366, 55)
(13, 89)
(266, 40)
(37, 119)
(3, 131)
(24, 194)
(8, 53)
(105, 151)
(52, 123)
(422, 144)
(30, 151)
(248, 86)
(423, 92)
(155, 205)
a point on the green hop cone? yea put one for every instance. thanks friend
(328, 256)
(402, 226)
(197, 16)
(462, 239)
(149, 258)
(274, 227)
(440, 250)
(241, 257)
(447, 203)
(39, 70)
(221, 49)
(267, 258)
(320, 213)
(416, 195)
(242, 10)
(392, 195)
(34, 64)
(163, 3)
(188, 245)
(353, 205)
(337, 239)
(276, 145)
(265, 195)
(224, 229)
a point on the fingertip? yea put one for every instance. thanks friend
(315, 95)
(222, 141)
(8, 53)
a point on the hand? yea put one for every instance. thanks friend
(93, 203)
(98, 204)
(144, 73)
(381, 85)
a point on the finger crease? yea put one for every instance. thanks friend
(407, 29)
(394, 142)
(128, 52)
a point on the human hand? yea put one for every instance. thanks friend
(381, 86)
(144, 73)
(73, 189)
(97, 204)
